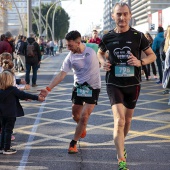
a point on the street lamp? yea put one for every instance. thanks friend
(55, 3)
(29, 17)
(46, 30)
(40, 30)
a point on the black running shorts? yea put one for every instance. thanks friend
(89, 100)
(128, 96)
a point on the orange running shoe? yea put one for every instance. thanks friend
(72, 149)
(83, 135)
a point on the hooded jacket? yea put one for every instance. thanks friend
(157, 42)
(5, 47)
(9, 102)
(37, 58)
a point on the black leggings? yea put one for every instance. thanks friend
(7, 130)
(153, 68)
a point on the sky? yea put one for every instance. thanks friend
(84, 17)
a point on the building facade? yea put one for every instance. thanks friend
(108, 22)
(142, 11)
(15, 19)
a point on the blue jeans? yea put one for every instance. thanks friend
(34, 72)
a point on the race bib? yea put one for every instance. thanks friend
(124, 71)
(84, 91)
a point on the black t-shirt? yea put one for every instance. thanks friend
(120, 45)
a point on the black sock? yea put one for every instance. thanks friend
(73, 142)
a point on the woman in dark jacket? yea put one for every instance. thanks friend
(150, 39)
(10, 108)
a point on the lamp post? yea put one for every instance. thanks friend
(53, 22)
(43, 22)
(40, 30)
(29, 17)
(55, 3)
(46, 29)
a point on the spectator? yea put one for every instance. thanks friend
(51, 43)
(32, 61)
(5, 45)
(166, 73)
(60, 45)
(19, 49)
(95, 38)
(156, 46)
(150, 39)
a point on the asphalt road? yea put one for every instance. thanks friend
(44, 133)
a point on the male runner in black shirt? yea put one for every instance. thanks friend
(123, 75)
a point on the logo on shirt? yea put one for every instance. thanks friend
(116, 42)
(122, 53)
(128, 42)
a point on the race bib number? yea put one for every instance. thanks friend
(84, 91)
(124, 71)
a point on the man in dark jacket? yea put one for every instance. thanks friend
(32, 61)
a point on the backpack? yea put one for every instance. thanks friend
(30, 50)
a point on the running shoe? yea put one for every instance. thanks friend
(165, 92)
(1, 151)
(159, 82)
(122, 165)
(149, 77)
(125, 154)
(72, 149)
(83, 135)
(9, 152)
(155, 77)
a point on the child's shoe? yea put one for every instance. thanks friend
(9, 151)
(1, 151)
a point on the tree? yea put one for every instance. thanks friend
(61, 22)
(5, 4)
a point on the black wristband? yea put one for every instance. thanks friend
(141, 62)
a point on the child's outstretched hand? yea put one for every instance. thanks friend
(27, 87)
(41, 98)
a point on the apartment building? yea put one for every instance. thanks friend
(142, 11)
(108, 22)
